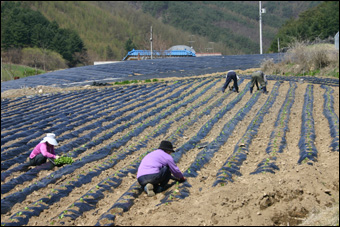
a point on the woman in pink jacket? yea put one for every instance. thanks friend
(44, 150)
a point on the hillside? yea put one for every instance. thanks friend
(235, 24)
(106, 26)
(318, 23)
(250, 159)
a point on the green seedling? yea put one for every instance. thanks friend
(305, 160)
(63, 160)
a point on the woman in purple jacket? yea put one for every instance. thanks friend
(44, 150)
(155, 170)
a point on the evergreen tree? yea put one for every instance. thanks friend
(129, 45)
(23, 27)
(109, 53)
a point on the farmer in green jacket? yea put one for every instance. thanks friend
(257, 78)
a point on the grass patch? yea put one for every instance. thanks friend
(126, 82)
(12, 71)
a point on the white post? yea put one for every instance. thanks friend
(278, 45)
(260, 9)
(151, 42)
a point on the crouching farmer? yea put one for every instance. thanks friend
(43, 151)
(257, 78)
(156, 169)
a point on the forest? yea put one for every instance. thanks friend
(320, 22)
(235, 24)
(78, 33)
(24, 27)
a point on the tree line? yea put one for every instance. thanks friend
(202, 20)
(235, 24)
(320, 22)
(23, 27)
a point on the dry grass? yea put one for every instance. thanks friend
(303, 60)
(327, 217)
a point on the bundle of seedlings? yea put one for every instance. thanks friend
(63, 160)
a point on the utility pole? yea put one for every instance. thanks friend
(151, 42)
(191, 41)
(260, 12)
(212, 44)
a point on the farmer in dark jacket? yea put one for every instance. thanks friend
(231, 75)
(257, 78)
(155, 170)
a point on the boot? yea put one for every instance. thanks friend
(251, 90)
(148, 188)
(265, 90)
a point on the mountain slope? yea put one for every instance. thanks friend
(320, 22)
(227, 27)
(235, 24)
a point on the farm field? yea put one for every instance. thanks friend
(249, 159)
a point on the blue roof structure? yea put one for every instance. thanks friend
(142, 54)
